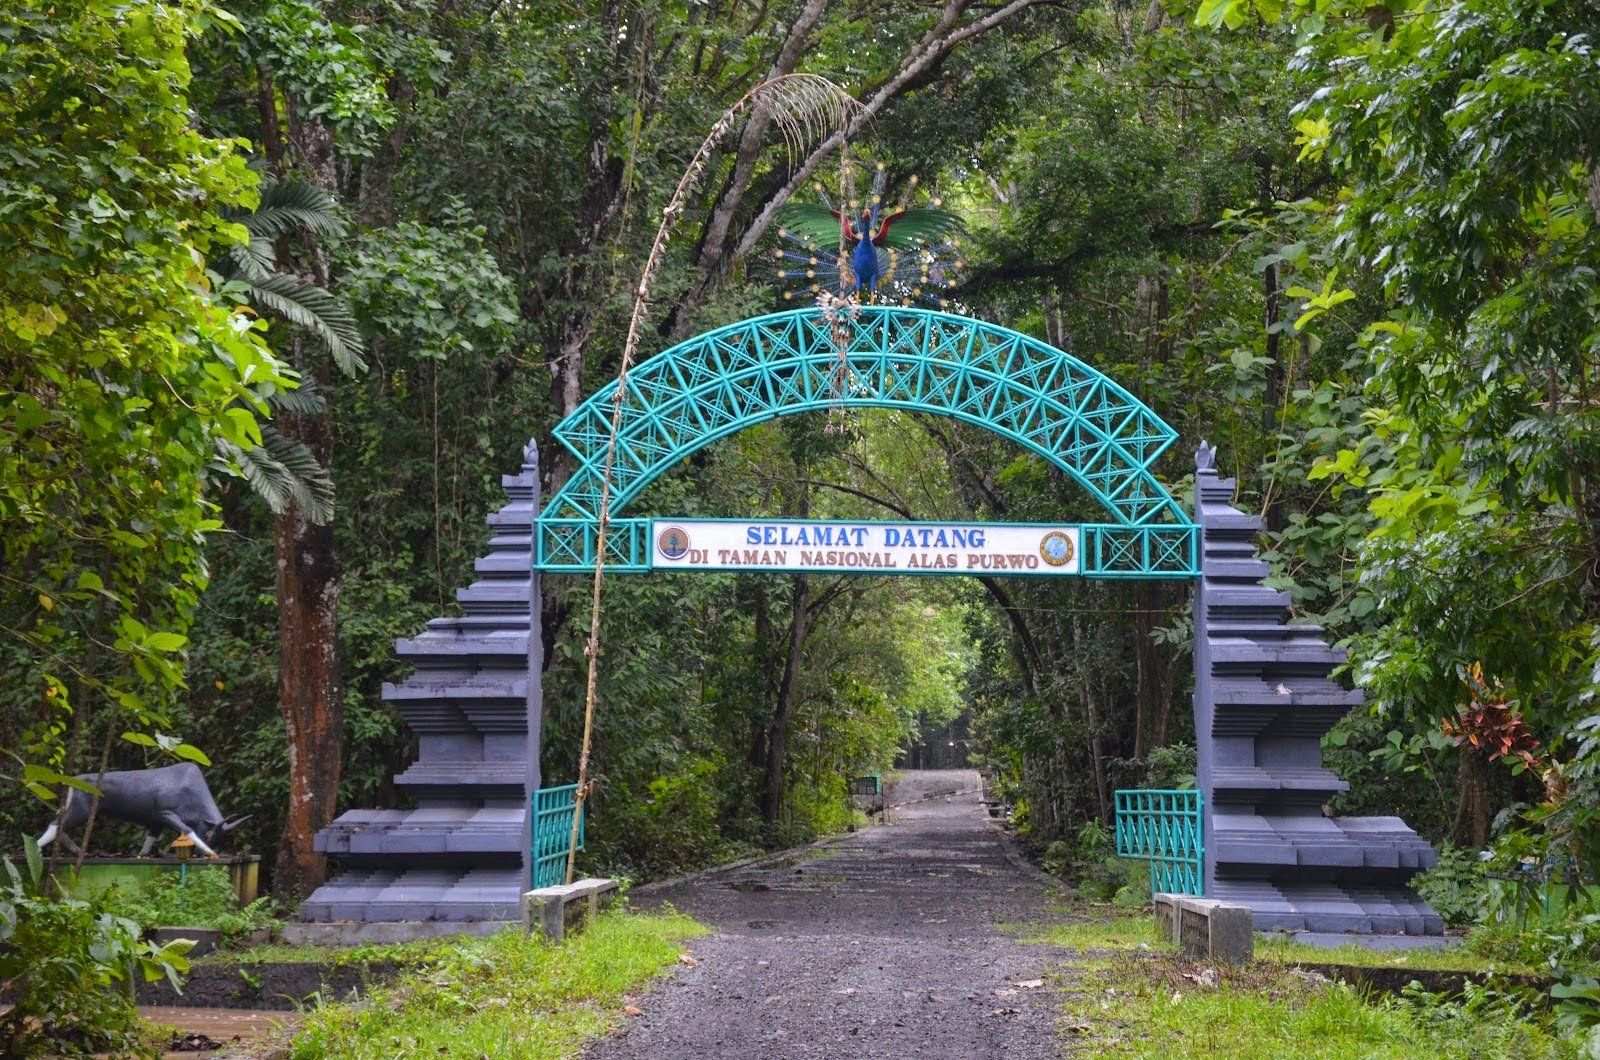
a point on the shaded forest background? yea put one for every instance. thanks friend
(1147, 192)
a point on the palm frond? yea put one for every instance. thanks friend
(314, 309)
(254, 258)
(806, 108)
(283, 472)
(304, 400)
(291, 207)
(809, 223)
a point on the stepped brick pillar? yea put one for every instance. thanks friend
(474, 701)
(1263, 701)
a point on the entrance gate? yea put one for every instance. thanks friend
(1263, 696)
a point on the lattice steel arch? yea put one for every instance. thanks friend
(722, 381)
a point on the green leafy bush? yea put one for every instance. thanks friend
(1136, 892)
(1100, 875)
(70, 965)
(1171, 767)
(1456, 887)
(1057, 858)
(1562, 945)
(673, 828)
(204, 898)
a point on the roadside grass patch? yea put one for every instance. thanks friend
(1453, 958)
(406, 953)
(1137, 1005)
(509, 994)
(1122, 933)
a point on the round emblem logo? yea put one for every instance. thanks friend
(673, 542)
(1056, 548)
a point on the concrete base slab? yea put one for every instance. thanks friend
(1383, 943)
(363, 932)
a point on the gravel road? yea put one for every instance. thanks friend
(884, 944)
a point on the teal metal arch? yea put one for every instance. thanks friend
(722, 381)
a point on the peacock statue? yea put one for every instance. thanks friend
(881, 254)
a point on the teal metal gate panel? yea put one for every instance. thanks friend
(1163, 827)
(552, 833)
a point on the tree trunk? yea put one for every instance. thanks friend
(766, 660)
(788, 685)
(1096, 750)
(309, 576)
(1471, 825)
(715, 238)
(309, 687)
(1272, 399)
(597, 209)
(1152, 692)
(783, 709)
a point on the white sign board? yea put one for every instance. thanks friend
(864, 547)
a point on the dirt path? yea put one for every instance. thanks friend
(885, 944)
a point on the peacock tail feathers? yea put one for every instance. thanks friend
(914, 228)
(809, 224)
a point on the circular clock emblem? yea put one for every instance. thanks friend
(673, 542)
(1056, 548)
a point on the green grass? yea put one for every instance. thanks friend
(1139, 932)
(1153, 1006)
(507, 995)
(1131, 995)
(1452, 958)
(1123, 933)
(278, 953)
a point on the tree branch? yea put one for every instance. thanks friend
(934, 46)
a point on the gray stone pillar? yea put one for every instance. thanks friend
(1263, 701)
(475, 703)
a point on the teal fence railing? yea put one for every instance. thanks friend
(1163, 827)
(552, 833)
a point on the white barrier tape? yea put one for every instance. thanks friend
(930, 798)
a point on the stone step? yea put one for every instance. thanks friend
(483, 702)
(1281, 905)
(455, 642)
(445, 778)
(1255, 780)
(422, 894)
(1289, 691)
(1236, 720)
(1308, 841)
(429, 836)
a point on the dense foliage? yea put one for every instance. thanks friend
(1353, 245)
(124, 370)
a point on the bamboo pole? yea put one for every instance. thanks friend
(803, 106)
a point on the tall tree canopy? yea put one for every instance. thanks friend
(131, 377)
